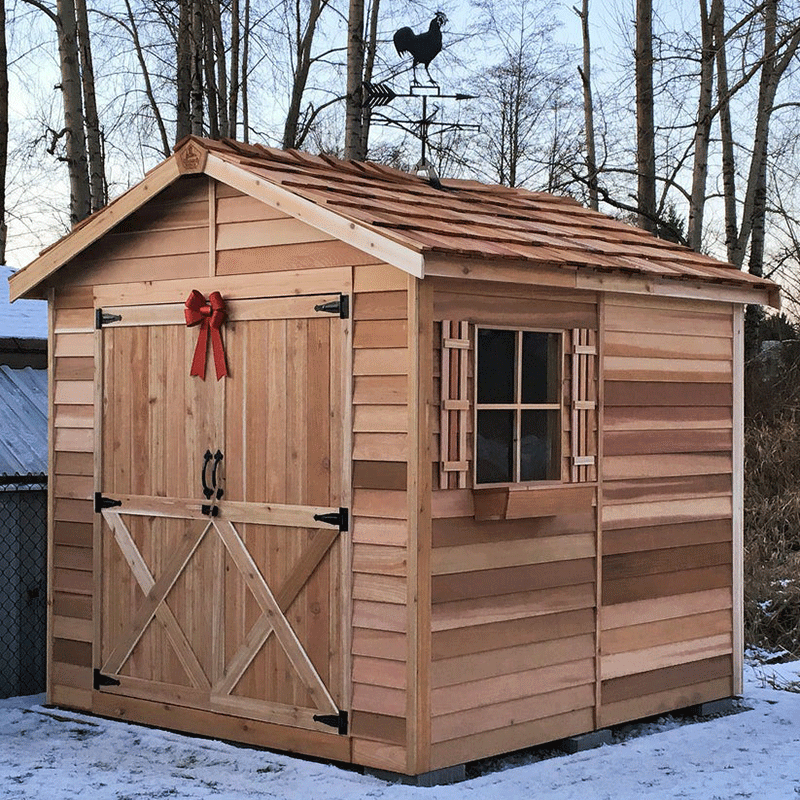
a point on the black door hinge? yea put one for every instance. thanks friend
(340, 307)
(103, 680)
(101, 502)
(101, 318)
(338, 721)
(340, 518)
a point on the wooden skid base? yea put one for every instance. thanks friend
(220, 726)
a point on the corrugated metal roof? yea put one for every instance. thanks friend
(23, 420)
(23, 319)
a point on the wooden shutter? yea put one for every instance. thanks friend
(455, 405)
(583, 457)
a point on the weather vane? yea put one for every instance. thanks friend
(423, 48)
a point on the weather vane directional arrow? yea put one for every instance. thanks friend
(380, 94)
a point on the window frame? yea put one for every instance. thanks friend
(518, 407)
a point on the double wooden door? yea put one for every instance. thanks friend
(223, 554)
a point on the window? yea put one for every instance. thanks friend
(518, 406)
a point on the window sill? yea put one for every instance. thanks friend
(522, 502)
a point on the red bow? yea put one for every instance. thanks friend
(211, 315)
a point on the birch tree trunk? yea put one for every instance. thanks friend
(94, 144)
(369, 65)
(80, 194)
(726, 136)
(196, 62)
(292, 136)
(645, 133)
(355, 69)
(754, 207)
(183, 124)
(702, 133)
(233, 95)
(588, 106)
(246, 74)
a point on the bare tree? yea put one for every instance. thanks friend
(94, 144)
(3, 131)
(588, 105)
(645, 118)
(302, 59)
(702, 134)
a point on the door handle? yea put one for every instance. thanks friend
(217, 458)
(207, 490)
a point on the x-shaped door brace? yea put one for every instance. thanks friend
(273, 607)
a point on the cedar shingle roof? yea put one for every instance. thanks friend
(472, 219)
(494, 224)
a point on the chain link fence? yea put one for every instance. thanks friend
(23, 584)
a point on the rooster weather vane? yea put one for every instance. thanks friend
(423, 48)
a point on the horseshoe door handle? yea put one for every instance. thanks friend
(217, 458)
(207, 490)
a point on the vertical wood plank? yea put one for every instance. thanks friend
(212, 227)
(342, 459)
(738, 498)
(51, 371)
(598, 471)
(418, 698)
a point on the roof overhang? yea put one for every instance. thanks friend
(732, 290)
(25, 282)
(191, 158)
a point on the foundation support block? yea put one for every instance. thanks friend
(585, 741)
(724, 706)
(436, 777)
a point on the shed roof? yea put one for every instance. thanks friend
(405, 221)
(23, 421)
(26, 319)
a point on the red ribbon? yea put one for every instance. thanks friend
(209, 316)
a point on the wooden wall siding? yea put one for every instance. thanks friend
(176, 224)
(252, 237)
(72, 487)
(666, 620)
(513, 641)
(380, 516)
(513, 602)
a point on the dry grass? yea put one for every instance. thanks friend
(772, 501)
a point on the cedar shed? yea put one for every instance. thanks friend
(472, 481)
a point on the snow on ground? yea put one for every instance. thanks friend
(51, 754)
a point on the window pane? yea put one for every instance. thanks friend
(540, 367)
(496, 366)
(539, 457)
(495, 442)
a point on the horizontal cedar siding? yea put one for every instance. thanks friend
(513, 640)
(380, 515)
(176, 227)
(666, 625)
(71, 626)
(513, 601)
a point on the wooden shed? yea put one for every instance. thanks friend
(472, 482)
